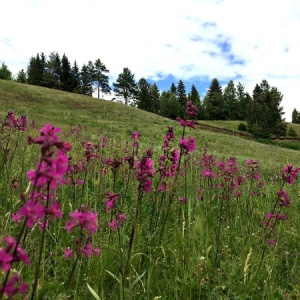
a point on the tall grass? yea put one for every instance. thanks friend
(170, 221)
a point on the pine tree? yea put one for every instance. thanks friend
(169, 105)
(173, 89)
(194, 96)
(21, 76)
(76, 78)
(230, 101)
(5, 73)
(143, 99)
(214, 102)
(155, 96)
(265, 116)
(100, 78)
(53, 71)
(181, 94)
(86, 87)
(295, 116)
(243, 102)
(36, 70)
(66, 79)
(125, 86)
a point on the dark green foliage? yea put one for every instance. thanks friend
(125, 86)
(36, 70)
(169, 105)
(243, 102)
(292, 132)
(21, 77)
(5, 73)
(86, 87)
(143, 99)
(230, 102)
(66, 78)
(196, 100)
(242, 127)
(265, 114)
(100, 78)
(53, 71)
(76, 78)
(173, 88)
(181, 93)
(214, 102)
(295, 116)
(155, 95)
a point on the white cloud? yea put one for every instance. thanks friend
(163, 37)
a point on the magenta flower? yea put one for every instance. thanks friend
(114, 225)
(31, 211)
(68, 253)
(187, 145)
(289, 174)
(110, 200)
(11, 289)
(191, 109)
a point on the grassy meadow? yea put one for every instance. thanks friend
(125, 204)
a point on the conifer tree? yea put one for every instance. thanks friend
(36, 70)
(295, 116)
(214, 101)
(66, 78)
(100, 78)
(86, 87)
(53, 71)
(5, 73)
(155, 95)
(76, 77)
(181, 94)
(143, 99)
(173, 88)
(125, 86)
(21, 76)
(230, 102)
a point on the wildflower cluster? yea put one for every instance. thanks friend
(12, 253)
(272, 218)
(87, 222)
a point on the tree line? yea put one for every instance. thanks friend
(261, 110)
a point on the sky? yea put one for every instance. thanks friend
(164, 40)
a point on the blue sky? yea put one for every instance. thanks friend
(164, 40)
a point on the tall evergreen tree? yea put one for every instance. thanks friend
(243, 102)
(53, 71)
(155, 96)
(21, 76)
(125, 86)
(5, 73)
(265, 117)
(181, 94)
(143, 99)
(295, 116)
(169, 105)
(173, 88)
(66, 77)
(230, 101)
(100, 78)
(194, 96)
(76, 77)
(86, 86)
(36, 70)
(214, 101)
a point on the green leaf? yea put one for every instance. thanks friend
(93, 292)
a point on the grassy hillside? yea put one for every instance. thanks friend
(118, 121)
(84, 215)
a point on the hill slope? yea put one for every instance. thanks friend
(118, 121)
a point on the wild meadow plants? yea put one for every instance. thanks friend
(99, 219)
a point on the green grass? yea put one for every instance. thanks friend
(209, 249)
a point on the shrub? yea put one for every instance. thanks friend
(242, 127)
(292, 132)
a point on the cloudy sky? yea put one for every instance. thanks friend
(164, 40)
